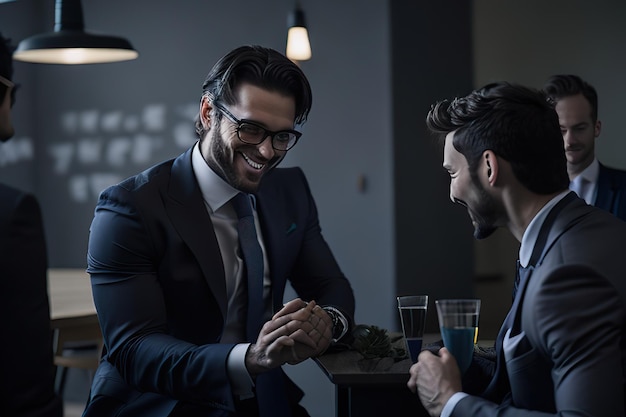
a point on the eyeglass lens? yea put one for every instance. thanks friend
(253, 134)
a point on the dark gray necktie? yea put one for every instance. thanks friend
(520, 274)
(270, 386)
(253, 260)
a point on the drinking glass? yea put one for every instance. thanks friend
(412, 310)
(458, 321)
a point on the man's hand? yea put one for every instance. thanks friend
(435, 379)
(308, 324)
(297, 332)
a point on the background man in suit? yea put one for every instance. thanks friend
(172, 286)
(577, 107)
(27, 376)
(559, 350)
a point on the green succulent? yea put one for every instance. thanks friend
(374, 342)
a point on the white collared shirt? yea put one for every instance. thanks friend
(532, 231)
(585, 184)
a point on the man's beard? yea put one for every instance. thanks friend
(485, 214)
(483, 232)
(221, 160)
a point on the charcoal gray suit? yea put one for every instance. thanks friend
(568, 319)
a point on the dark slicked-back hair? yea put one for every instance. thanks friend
(262, 67)
(566, 85)
(517, 123)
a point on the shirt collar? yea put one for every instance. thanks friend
(215, 191)
(532, 231)
(591, 172)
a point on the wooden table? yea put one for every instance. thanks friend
(73, 319)
(70, 294)
(371, 388)
(374, 388)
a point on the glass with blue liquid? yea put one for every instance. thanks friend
(458, 321)
(413, 318)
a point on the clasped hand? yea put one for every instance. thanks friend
(435, 379)
(299, 331)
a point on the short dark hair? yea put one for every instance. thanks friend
(6, 61)
(565, 85)
(260, 66)
(517, 123)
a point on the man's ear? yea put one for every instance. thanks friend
(597, 129)
(490, 166)
(205, 112)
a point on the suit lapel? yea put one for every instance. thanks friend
(605, 194)
(273, 240)
(562, 216)
(183, 201)
(278, 223)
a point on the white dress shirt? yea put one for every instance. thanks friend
(585, 184)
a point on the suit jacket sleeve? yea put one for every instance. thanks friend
(572, 320)
(138, 322)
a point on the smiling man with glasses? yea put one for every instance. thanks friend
(190, 260)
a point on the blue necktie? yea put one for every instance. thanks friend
(270, 386)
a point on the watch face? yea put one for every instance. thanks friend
(339, 324)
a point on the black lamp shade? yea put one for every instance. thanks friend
(70, 44)
(296, 19)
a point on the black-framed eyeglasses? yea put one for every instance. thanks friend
(253, 133)
(10, 85)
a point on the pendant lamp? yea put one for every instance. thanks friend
(298, 45)
(70, 44)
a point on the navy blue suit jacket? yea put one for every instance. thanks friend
(159, 286)
(611, 192)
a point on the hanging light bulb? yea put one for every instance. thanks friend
(70, 44)
(298, 45)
